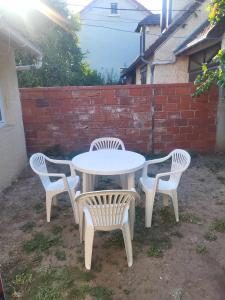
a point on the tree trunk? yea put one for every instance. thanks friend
(220, 129)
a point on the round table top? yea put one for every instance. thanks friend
(108, 162)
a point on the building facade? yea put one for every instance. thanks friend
(177, 54)
(107, 35)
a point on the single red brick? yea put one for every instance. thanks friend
(181, 122)
(173, 99)
(184, 90)
(160, 99)
(170, 107)
(187, 114)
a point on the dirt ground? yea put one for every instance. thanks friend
(184, 260)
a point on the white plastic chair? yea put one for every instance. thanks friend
(180, 162)
(107, 143)
(106, 211)
(53, 188)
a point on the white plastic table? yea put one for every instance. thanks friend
(108, 162)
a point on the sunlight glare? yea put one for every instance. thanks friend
(22, 7)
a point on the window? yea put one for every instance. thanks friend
(114, 9)
(198, 58)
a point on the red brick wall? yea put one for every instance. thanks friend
(183, 121)
(73, 116)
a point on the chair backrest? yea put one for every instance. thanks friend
(107, 143)
(180, 161)
(38, 165)
(106, 208)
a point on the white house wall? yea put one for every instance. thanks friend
(12, 141)
(108, 49)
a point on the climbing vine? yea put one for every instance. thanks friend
(205, 80)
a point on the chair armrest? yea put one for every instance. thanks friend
(64, 162)
(151, 162)
(157, 160)
(158, 176)
(50, 174)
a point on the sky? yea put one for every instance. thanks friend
(149, 4)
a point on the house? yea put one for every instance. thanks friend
(107, 34)
(12, 141)
(185, 40)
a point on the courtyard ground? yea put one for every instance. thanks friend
(185, 260)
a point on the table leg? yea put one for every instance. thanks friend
(130, 181)
(85, 183)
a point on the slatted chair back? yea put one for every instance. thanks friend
(107, 209)
(38, 165)
(107, 143)
(180, 161)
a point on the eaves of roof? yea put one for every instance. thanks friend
(139, 5)
(17, 39)
(206, 35)
(152, 19)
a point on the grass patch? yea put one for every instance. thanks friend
(39, 208)
(57, 284)
(155, 251)
(115, 239)
(190, 218)
(98, 292)
(210, 236)
(57, 229)
(219, 225)
(97, 267)
(37, 258)
(60, 255)
(40, 242)
(28, 226)
(201, 249)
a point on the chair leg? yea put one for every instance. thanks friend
(48, 206)
(149, 202)
(128, 244)
(165, 200)
(88, 245)
(54, 201)
(123, 181)
(74, 206)
(132, 218)
(175, 204)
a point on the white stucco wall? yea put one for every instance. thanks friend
(12, 141)
(172, 73)
(152, 34)
(110, 49)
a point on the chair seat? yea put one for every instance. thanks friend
(58, 185)
(164, 185)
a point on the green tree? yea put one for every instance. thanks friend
(63, 62)
(209, 77)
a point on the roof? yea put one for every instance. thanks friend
(139, 6)
(152, 19)
(205, 35)
(166, 34)
(17, 39)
